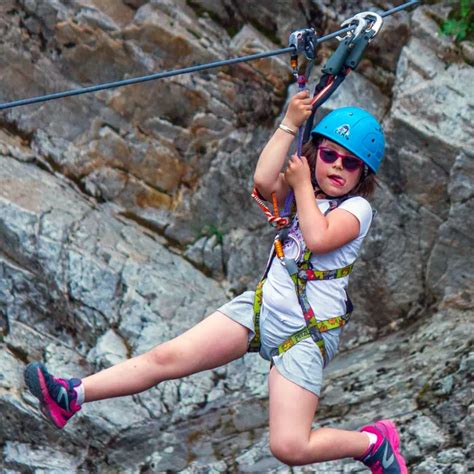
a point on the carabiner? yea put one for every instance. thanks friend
(361, 25)
(278, 245)
(362, 20)
(375, 20)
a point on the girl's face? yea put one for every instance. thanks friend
(340, 176)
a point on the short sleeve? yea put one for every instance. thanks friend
(362, 209)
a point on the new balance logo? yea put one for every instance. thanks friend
(386, 462)
(62, 394)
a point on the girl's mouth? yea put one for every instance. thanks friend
(337, 180)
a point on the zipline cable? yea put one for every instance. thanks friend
(136, 80)
(187, 70)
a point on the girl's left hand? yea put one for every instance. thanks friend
(298, 171)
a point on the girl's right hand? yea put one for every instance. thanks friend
(299, 110)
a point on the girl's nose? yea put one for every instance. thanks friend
(338, 163)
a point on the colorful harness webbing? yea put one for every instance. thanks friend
(300, 274)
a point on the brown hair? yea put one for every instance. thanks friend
(367, 183)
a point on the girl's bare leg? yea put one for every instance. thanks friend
(292, 441)
(211, 343)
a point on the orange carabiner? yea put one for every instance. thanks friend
(276, 212)
(278, 248)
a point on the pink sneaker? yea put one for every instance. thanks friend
(58, 399)
(384, 457)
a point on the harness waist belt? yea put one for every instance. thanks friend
(312, 275)
(323, 326)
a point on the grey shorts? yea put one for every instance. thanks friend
(303, 363)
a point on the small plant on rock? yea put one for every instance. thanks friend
(460, 22)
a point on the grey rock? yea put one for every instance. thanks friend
(452, 456)
(207, 253)
(110, 350)
(428, 436)
(39, 458)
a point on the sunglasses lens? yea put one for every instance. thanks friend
(328, 156)
(351, 164)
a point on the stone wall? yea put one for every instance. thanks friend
(125, 218)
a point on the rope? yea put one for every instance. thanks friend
(187, 70)
(302, 79)
(274, 219)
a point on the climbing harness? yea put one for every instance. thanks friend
(187, 70)
(301, 273)
(363, 29)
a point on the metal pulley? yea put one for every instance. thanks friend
(304, 42)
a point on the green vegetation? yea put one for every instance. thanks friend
(460, 22)
(210, 230)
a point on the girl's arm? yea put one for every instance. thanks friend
(268, 177)
(321, 233)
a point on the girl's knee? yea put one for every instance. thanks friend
(288, 450)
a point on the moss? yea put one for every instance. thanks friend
(421, 395)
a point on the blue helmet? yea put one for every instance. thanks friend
(357, 130)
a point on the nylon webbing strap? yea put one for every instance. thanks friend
(254, 345)
(322, 326)
(310, 275)
(323, 91)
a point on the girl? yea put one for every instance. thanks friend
(296, 320)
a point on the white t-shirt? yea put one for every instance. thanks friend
(326, 297)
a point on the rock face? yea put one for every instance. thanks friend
(125, 218)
